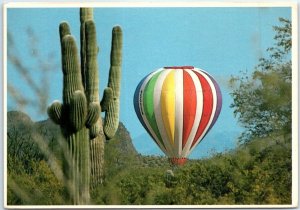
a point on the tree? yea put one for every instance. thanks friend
(262, 101)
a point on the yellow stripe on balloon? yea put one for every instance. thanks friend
(168, 105)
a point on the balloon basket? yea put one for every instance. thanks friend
(178, 161)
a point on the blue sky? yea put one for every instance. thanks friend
(222, 41)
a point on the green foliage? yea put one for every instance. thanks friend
(284, 39)
(31, 180)
(22, 146)
(33, 184)
(119, 153)
(140, 188)
(258, 172)
(154, 161)
(262, 101)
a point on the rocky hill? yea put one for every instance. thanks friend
(24, 135)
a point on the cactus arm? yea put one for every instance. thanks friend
(96, 131)
(107, 98)
(92, 80)
(116, 47)
(64, 30)
(55, 112)
(91, 68)
(78, 110)
(93, 114)
(71, 70)
(86, 14)
(111, 120)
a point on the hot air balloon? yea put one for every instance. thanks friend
(178, 106)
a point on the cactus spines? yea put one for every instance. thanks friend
(111, 120)
(79, 113)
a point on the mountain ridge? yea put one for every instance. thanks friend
(20, 125)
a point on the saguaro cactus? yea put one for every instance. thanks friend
(79, 114)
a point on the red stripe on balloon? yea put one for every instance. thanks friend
(189, 106)
(207, 106)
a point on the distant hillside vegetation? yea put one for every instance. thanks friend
(258, 172)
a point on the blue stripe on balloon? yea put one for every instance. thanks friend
(137, 102)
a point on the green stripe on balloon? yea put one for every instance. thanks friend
(148, 105)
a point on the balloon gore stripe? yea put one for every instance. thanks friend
(178, 106)
(189, 104)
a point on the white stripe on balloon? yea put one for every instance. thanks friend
(178, 112)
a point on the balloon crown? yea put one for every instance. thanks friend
(179, 67)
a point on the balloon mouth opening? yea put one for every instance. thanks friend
(179, 67)
(178, 161)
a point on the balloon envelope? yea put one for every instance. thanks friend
(178, 106)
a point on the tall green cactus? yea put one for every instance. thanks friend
(112, 109)
(79, 114)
